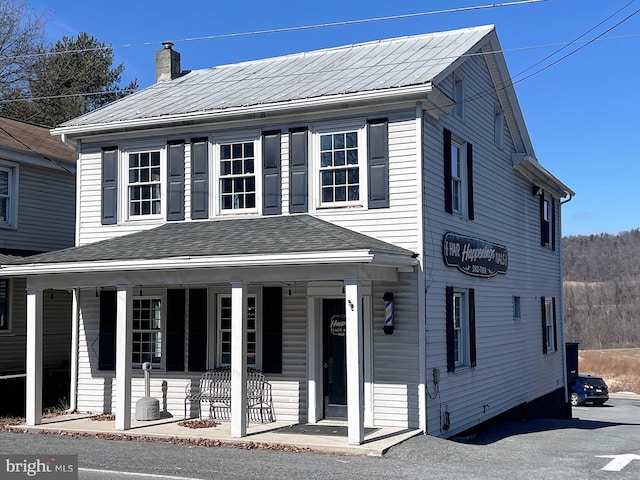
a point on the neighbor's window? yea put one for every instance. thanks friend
(4, 304)
(145, 184)
(7, 196)
(237, 176)
(339, 168)
(147, 330)
(224, 330)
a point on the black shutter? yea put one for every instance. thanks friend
(448, 205)
(175, 330)
(470, 212)
(298, 170)
(451, 363)
(109, 186)
(197, 330)
(378, 153)
(272, 329)
(472, 327)
(271, 178)
(553, 223)
(555, 329)
(107, 331)
(544, 326)
(175, 184)
(199, 178)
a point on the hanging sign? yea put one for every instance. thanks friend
(474, 256)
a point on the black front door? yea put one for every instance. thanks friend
(334, 358)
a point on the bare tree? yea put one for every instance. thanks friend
(21, 42)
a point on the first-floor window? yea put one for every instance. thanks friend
(147, 330)
(460, 328)
(549, 325)
(4, 304)
(224, 330)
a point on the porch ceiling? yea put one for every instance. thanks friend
(278, 240)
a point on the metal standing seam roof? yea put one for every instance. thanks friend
(385, 64)
(245, 236)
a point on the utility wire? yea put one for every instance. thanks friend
(296, 28)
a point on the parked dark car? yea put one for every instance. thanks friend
(588, 389)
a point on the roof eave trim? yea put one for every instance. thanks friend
(531, 169)
(222, 261)
(387, 95)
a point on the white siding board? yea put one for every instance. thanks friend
(507, 213)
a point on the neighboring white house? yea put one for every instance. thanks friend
(37, 214)
(367, 224)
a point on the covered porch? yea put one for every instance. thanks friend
(235, 262)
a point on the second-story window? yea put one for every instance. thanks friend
(339, 168)
(145, 183)
(237, 176)
(457, 178)
(8, 196)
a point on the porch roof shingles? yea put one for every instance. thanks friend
(245, 236)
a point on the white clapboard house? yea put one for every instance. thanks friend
(37, 214)
(368, 225)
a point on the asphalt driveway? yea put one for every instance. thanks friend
(600, 443)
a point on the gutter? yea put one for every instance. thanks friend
(377, 97)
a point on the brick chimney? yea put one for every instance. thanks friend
(167, 63)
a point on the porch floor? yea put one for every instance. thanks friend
(318, 437)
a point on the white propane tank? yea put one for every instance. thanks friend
(147, 408)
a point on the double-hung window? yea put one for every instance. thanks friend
(458, 176)
(224, 331)
(460, 328)
(237, 176)
(549, 332)
(458, 95)
(144, 183)
(340, 164)
(547, 220)
(8, 196)
(147, 331)
(4, 305)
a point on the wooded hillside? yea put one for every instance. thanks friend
(602, 290)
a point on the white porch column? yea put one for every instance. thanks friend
(73, 388)
(124, 326)
(355, 359)
(238, 359)
(34, 357)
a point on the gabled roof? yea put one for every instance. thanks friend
(184, 242)
(390, 67)
(18, 139)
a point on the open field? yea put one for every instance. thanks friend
(619, 367)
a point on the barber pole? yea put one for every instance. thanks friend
(388, 313)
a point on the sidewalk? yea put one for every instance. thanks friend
(322, 437)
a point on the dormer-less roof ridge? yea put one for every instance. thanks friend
(358, 72)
